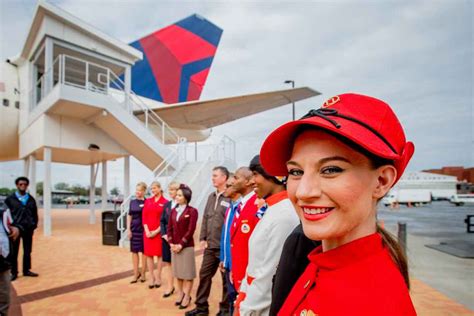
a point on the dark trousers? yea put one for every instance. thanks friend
(231, 292)
(27, 240)
(209, 267)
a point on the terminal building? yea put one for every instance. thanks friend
(441, 187)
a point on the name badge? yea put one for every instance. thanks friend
(225, 204)
(245, 228)
(160, 204)
(141, 205)
(186, 215)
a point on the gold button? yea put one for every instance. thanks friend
(307, 284)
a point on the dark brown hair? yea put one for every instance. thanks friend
(187, 193)
(396, 252)
(223, 170)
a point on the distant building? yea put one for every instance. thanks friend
(460, 173)
(441, 186)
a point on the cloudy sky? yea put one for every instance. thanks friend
(416, 55)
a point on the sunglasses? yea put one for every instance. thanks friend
(22, 184)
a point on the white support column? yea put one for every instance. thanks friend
(104, 185)
(26, 166)
(126, 176)
(48, 63)
(128, 87)
(32, 175)
(92, 195)
(47, 192)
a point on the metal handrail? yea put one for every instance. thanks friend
(79, 77)
(215, 151)
(158, 172)
(148, 112)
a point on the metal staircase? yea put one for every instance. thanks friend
(195, 174)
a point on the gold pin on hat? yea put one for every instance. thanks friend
(331, 101)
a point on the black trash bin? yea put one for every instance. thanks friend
(110, 233)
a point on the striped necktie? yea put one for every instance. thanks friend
(238, 210)
(261, 211)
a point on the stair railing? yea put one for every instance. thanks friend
(164, 169)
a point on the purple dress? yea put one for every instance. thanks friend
(136, 226)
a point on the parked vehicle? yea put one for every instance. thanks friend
(410, 197)
(461, 199)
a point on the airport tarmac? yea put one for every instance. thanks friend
(439, 222)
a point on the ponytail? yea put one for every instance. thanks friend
(396, 252)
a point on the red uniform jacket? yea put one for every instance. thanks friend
(359, 278)
(181, 231)
(240, 232)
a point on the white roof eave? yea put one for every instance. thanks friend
(44, 8)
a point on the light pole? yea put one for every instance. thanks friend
(293, 104)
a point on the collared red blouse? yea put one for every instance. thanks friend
(358, 278)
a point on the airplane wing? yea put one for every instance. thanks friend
(199, 115)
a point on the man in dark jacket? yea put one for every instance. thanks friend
(7, 232)
(25, 214)
(210, 240)
(293, 262)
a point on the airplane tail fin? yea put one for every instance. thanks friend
(176, 60)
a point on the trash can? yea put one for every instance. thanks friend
(110, 233)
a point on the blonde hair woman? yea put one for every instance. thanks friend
(135, 232)
(152, 238)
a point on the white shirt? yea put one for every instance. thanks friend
(265, 247)
(246, 198)
(180, 209)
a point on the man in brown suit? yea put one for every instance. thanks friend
(212, 222)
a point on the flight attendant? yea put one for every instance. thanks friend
(244, 222)
(152, 237)
(340, 161)
(135, 232)
(166, 251)
(181, 227)
(277, 219)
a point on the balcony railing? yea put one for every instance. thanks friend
(86, 75)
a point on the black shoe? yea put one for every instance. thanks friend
(187, 305)
(169, 293)
(178, 303)
(30, 274)
(198, 311)
(223, 313)
(136, 279)
(14, 277)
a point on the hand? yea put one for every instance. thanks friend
(178, 248)
(14, 232)
(148, 235)
(203, 244)
(165, 237)
(129, 234)
(221, 267)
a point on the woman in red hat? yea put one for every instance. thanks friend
(340, 161)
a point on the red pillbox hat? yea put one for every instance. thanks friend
(365, 121)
